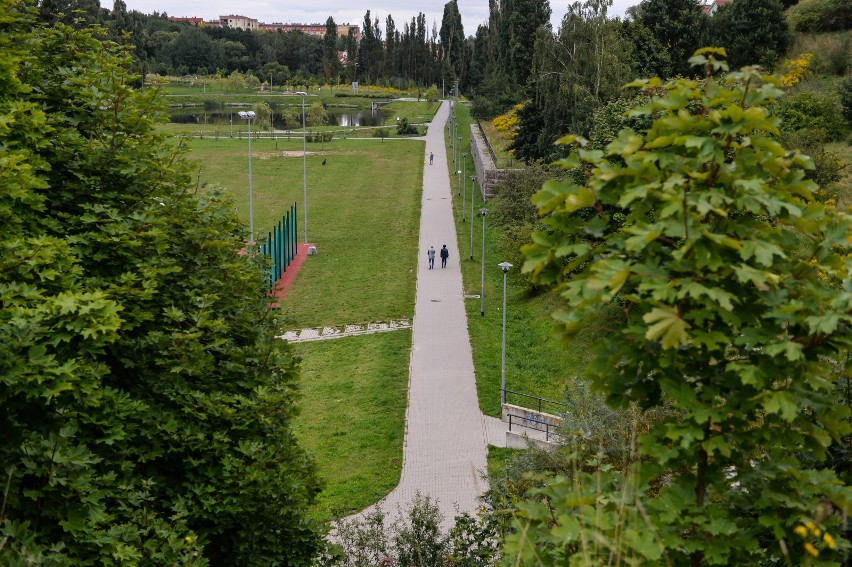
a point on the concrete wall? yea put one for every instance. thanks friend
(486, 170)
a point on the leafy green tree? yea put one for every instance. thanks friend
(452, 43)
(146, 404)
(736, 298)
(330, 62)
(677, 25)
(573, 74)
(316, 115)
(752, 31)
(523, 20)
(263, 116)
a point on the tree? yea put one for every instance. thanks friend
(452, 43)
(146, 404)
(573, 74)
(330, 62)
(523, 21)
(735, 295)
(752, 31)
(678, 25)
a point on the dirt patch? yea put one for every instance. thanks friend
(285, 154)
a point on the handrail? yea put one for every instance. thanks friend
(537, 398)
(487, 143)
(537, 424)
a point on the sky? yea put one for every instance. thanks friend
(474, 12)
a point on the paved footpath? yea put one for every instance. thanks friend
(446, 435)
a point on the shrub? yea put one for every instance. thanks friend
(821, 15)
(844, 93)
(811, 110)
(405, 129)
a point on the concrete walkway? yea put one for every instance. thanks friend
(446, 435)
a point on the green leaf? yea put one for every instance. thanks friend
(782, 403)
(665, 322)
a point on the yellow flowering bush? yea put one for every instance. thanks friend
(796, 70)
(507, 122)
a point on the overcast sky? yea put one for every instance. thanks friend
(474, 12)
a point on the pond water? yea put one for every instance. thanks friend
(344, 117)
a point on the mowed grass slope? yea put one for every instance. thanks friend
(364, 210)
(353, 416)
(363, 215)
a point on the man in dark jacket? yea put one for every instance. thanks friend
(444, 255)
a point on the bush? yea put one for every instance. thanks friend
(382, 132)
(811, 110)
(844, 93)
(414, 538)
(821, 15)
(405, 129)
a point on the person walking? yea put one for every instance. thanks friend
(444, 255)
(431, 158)
(431, 255)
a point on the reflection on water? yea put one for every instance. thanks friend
(344, 117)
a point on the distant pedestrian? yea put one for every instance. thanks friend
(431, 158)
(431, 255)
(444, 255)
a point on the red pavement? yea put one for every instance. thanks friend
(289, 275)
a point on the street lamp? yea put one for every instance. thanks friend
(304, 161)
(505, 267)
(472, 194)
(463, 182)
(249, 115)
(483, 211)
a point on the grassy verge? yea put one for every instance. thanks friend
(353, 418)
(498, 458)
(536, 362)
(363, 213)
(417, 112)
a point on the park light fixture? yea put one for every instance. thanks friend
(304, 161)
(505, 267)
(249, 115)
(483, 211)
(472, 181)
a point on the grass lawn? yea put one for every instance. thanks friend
(353, 416)
(363, 214)
(498, 458)
(536, 362)
(416, 112)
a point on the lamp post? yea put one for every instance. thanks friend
(463, 183)
(304, 161)
(505, 267)
(249, 115)
(483, 211)
(472, 194)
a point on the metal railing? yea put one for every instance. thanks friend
(280, 245)
(534, 422)
(487, 143)
(560, 407)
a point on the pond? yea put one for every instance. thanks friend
(343, 117)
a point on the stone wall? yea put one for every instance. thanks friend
(486, 171)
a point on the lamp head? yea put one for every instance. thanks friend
(483, 211)
(505, 266)
(246, 114)
(473, 178)
(302, 93)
